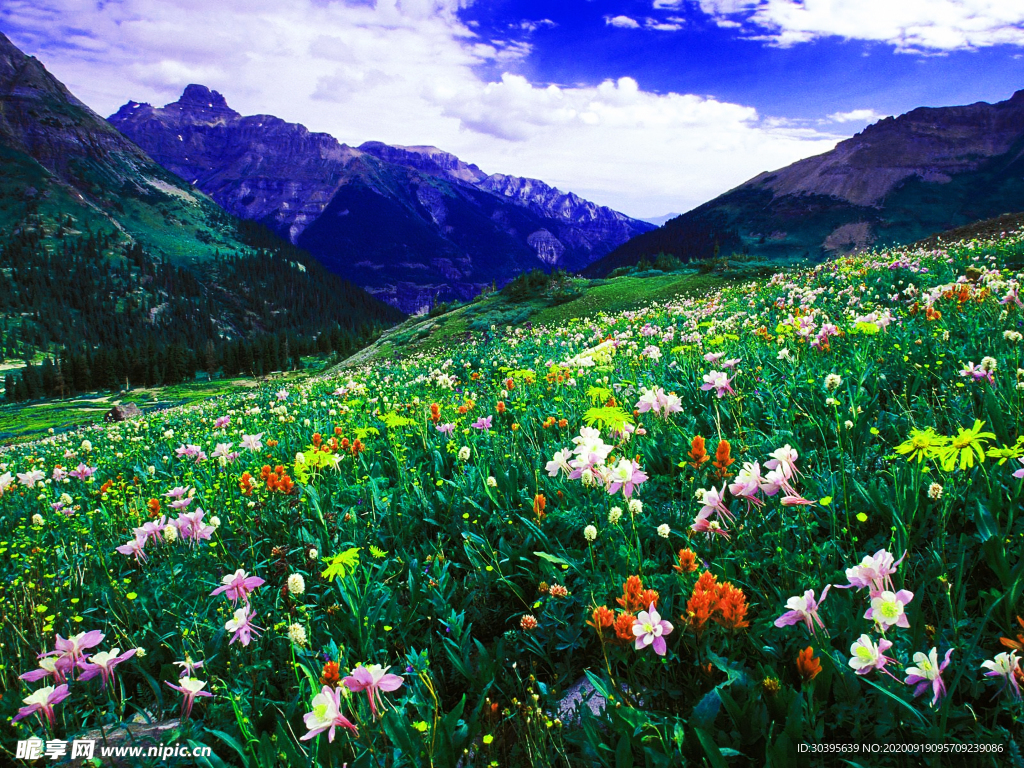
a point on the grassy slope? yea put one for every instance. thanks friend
(424, 334)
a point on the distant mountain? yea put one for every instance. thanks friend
(659, 220)
(103, 249)
(414, 225)
(899, 180)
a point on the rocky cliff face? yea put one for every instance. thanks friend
(413, 224)
(897, 181)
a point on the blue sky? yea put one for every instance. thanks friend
(648, 106)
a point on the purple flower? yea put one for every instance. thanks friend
(238, 585)
(189, 688)
(803, 608)
(221, 422)
(650, 630)
(1020, 472)
(134, 547)
(874, 572)
(1004, 665)
(484, 422)
(43, 700)
(928, 672)
(719, 382)
(82, 472)
(103, 663)
(445, 429)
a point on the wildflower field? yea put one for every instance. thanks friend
(703, 532)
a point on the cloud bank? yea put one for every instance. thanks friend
(410, 72)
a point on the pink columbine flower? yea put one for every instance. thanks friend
(6, 480)
(784, 459)
(189, 688)
(326, 715)
(658, 401)
(704, 524)
(223, 452)
(252, 442)
(177, 492)
(1019, 474)
(183, 503)
(134, 547)
(928, 672)
(803, 608)
(82, 472)
(43, 700)
(748, 484)
(188, 666)
(867, 656)
(445, 429)
(874, 572)
(1006, 666)
(238, 585)
(191, 527)
(242, 627)
(29, 479)
(714, 503)
(625, 475)
(373, 679)
(484, 422)
(650, 630)
(153, 529)
(103, 664)
(282, 394)
(221, 422)
(48, 667)
(718, 381)
(71, 651)
(731, 363)
(889, 608)
(559, 463)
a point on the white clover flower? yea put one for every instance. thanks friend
(590, 533)
(215, 521)
(296, 584)
(664, 530)
(86, 445)
(935, 491)
(988, 364)
(1012, 336)
(848, 424)
(297, 634)
(614, 515)
(140, 652)
(464, 453)
(492, 482)
(832, 381)
(170, 533)
(37, 519)
(313, 554)
(635, 506)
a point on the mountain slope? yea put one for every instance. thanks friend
(415, 225)
(899, 180)
(104, 251)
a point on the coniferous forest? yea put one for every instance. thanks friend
(85, 311)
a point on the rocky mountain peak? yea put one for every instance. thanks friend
(203, 104)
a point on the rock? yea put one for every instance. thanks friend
(123, 411)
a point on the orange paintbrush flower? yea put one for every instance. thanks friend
(807, 665)
(698, 453)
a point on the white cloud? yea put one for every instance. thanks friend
(909, 25)
(408, 72)
(622, 21)
(856, 116)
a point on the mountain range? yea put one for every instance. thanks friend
(897, 181)
(414, 225)
(105, 251)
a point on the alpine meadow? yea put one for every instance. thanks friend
(349, 453)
